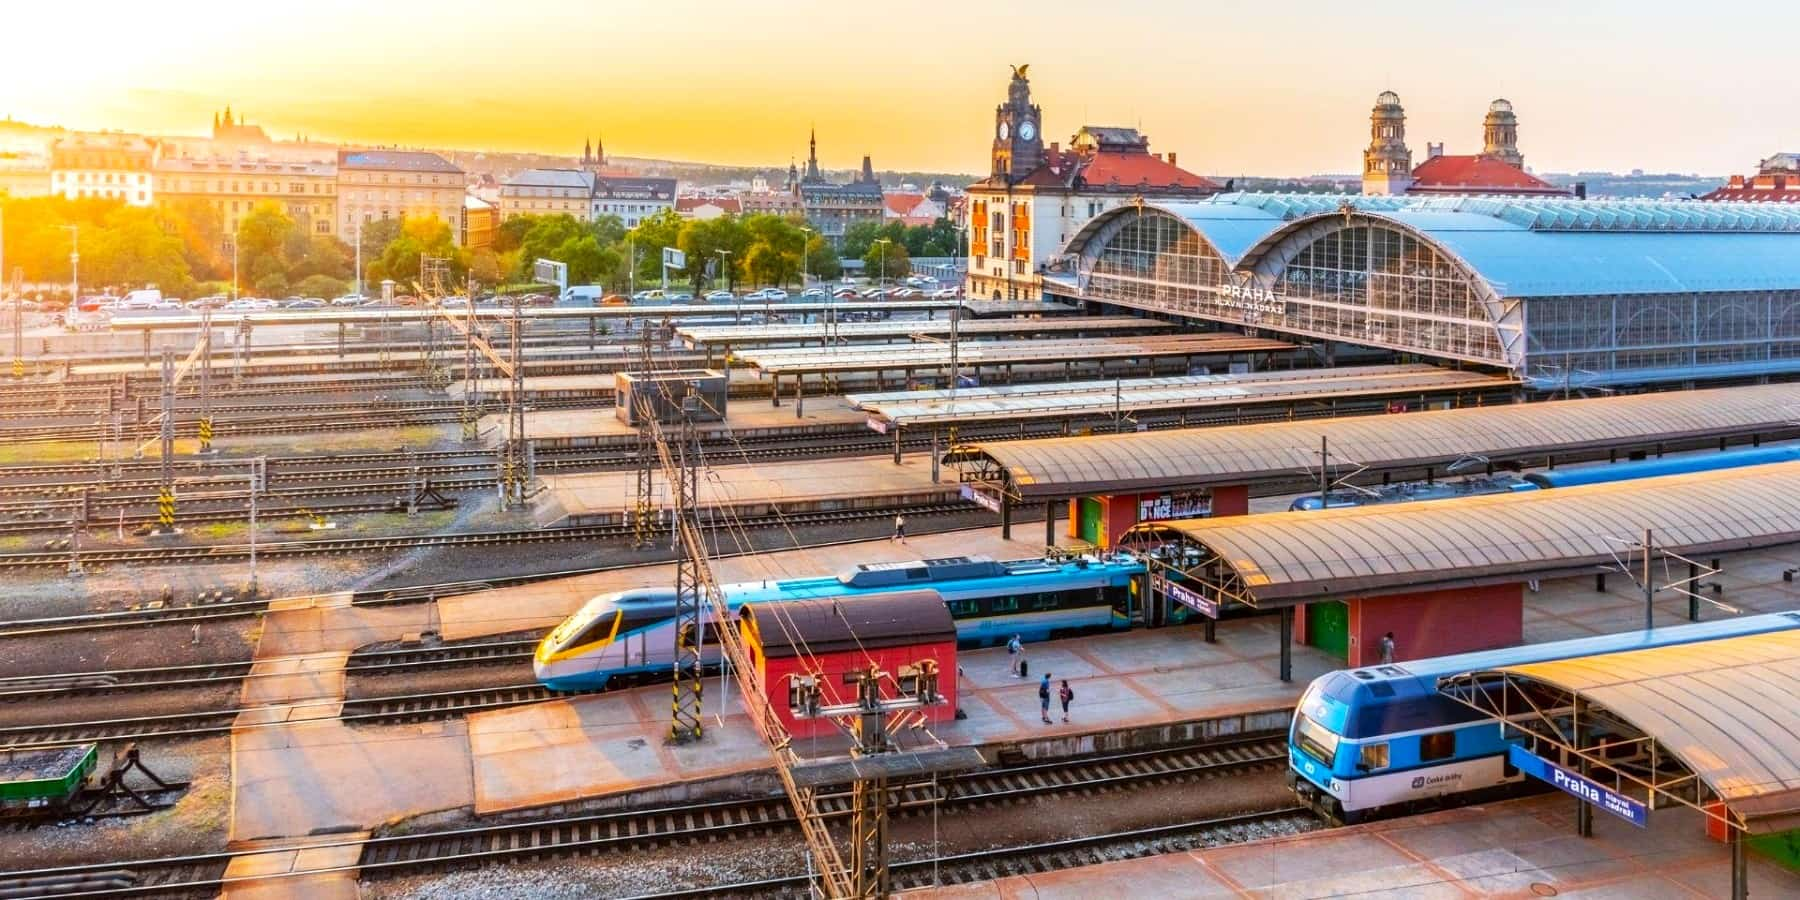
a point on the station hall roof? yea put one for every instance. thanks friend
(1283, 559)
(1249, 454)
(1529, 246)
(1724, 707)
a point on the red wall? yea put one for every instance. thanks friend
(1437, 623)
(775, 674)
(1231, 500)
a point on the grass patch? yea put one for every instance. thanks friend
(25, 453)
(222, 531)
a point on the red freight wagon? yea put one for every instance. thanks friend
(830, 639)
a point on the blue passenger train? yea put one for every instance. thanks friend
(1554, 478)
(631, 633)
(1370, 741)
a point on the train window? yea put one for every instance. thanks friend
(1373, 757)
(1004, 604)
(599, 629)
(1437, 745)
(1043, 601)
(959, 608)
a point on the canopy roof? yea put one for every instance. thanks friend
(1250, 454)
(1281, 559)
(1725, 707)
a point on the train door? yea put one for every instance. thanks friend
(1092, 515)
(1328, 627)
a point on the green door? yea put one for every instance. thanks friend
(1090, 520)
(1328, 627)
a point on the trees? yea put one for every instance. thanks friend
(418, 238)
(322, 286)
(893, 255)
(132, 249)
(821, 260)
(859, 237)
(648, 240)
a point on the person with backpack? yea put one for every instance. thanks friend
(1044, 698)
(1065, 695)
(1015, 654)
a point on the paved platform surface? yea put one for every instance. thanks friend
(1517, 849)
(603, 744)
(545, 603)
(263, 874)
(741, 415)
(752, 489)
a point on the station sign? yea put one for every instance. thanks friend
(1578, 786)
(1190, 598)
(980, 498)
(1251, 298)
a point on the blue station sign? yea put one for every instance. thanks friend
(1579, 787)
(1191, 599)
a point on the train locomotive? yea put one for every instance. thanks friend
(1381, 739)
(631, 634)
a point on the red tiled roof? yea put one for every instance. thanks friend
(1755, 195)
(901, 203)
(689, 204)
(1140, 170)
(1476, 175)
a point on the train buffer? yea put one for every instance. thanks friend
(59, 784)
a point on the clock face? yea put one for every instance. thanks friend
(1004, 131)
(1027, 130)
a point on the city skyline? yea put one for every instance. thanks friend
(1233, 92)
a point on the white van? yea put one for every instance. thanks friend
(145, 299)
(583, 295)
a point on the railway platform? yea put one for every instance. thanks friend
(751, 490)
(601, 429)
(1519, 848)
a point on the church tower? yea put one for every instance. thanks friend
(1387, 163)
(1018, 141)
(1500, 134)
(868, 171)
(813, 175)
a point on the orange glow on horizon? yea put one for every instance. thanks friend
(1235, 90)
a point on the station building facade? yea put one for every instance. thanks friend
(1558, 292)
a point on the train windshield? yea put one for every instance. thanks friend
(1316, 740)
(574, 633)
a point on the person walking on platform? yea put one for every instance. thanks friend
(899, 529)
(1044, 698)
(1015, 654)
(1387, 648)
(1065, 695)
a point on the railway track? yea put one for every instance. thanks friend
(344, 546)
(391, 661)
(389, 856)
(386, 710)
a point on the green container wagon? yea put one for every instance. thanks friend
(34, 778)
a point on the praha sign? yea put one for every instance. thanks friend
(1252, 298)
(1193, 600)
(1579, 787)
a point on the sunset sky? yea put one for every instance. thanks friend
(1234, 87)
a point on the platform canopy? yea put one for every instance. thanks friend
(1697, 723)
(1284, 559)
(1283, 451)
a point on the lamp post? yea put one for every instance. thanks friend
(359, 277)
(725, 266)
(884, 242)
(234, 266)
(74, 268)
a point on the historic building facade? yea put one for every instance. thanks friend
(392, 184)
(1777, 180)
(111, 166)
(1499, 169)
(1035, 197)
(833, 208)
(238, 167)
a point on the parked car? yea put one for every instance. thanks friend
(719, 297)
(756, 296)
(845, 294)
(614, 300)
(141, 300)
(349, 300)
(945, 294)
(904, 293)
(681, 297)
(813, 293)
(457, 302)
(306, 303)
(775, 294)
(873, 293)
(242, 304)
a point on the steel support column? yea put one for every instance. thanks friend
(1287, 644)
(1049, 523)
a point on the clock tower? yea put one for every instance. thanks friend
(1018, 123)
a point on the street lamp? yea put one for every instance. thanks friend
(884, 242)
(725, 264)
(234, 267)
(74, 268)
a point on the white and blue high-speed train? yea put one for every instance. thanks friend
(1380, 739)
(631, 633)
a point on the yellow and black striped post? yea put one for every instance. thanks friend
(165, 510)
(18, 369)
(206, 434)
